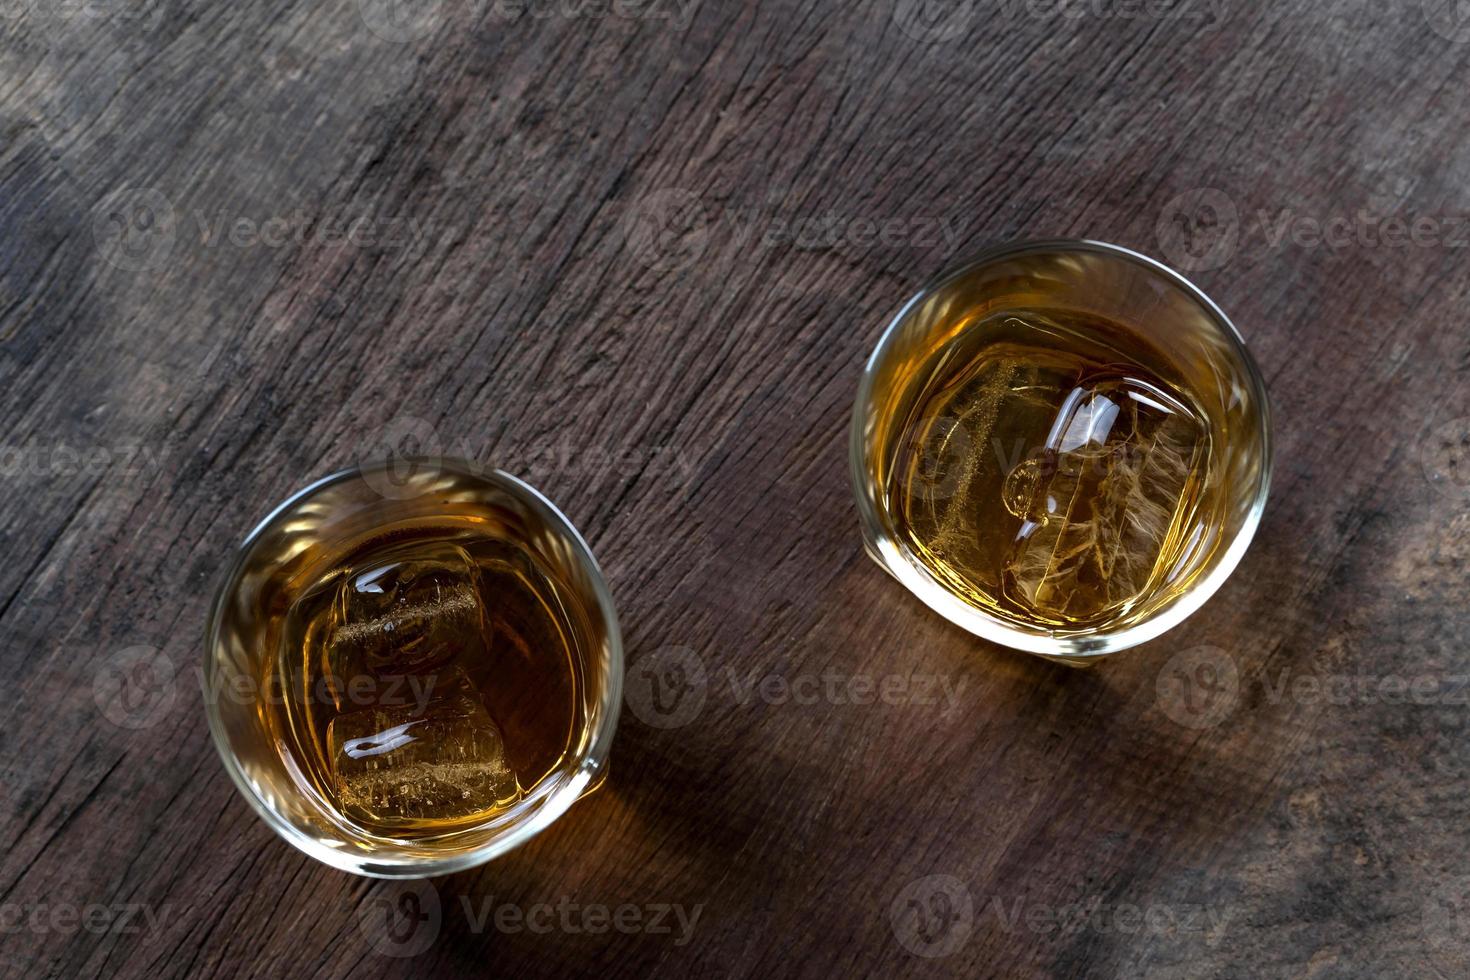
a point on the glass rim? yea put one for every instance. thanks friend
(551, 808)
(897, 561)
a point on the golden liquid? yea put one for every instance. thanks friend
(431, 677)
(1051, 470)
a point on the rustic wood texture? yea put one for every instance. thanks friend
(629, 251)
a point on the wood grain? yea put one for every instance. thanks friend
(633, 253)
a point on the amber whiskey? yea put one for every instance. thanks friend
(1052, 470)
(430, 677)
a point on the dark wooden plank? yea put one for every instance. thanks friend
(684, 397)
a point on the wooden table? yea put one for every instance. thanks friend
(636, 252)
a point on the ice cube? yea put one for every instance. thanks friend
(1099, 502)
(969, 438)
(438, 761)
(407, 616)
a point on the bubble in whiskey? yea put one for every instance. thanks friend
(1021, 489)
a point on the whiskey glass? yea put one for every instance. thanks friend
(249, 633)
(1144, 566)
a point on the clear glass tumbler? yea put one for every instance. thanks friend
(1043, 298)
(249, 632)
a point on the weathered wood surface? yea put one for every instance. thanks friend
(575, 255)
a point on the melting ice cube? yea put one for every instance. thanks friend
(1098, 503)
(407, 616)
(438, 761)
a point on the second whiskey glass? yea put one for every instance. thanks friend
(1030, 308)
(255, 708)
